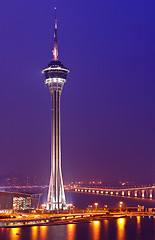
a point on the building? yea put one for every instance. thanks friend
(21, 202)
(18, 201)
(55, 77)
(17, 179)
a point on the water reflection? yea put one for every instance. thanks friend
(96, 225)
(113, 229)
(43, 232)
(121, 228)
(34, 233)
(106, 223)
(71, 229)
(14, 233)
(138, 225)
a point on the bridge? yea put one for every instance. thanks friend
(144, 192)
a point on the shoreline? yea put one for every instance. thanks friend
(70, 219)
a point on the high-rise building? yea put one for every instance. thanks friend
(55, 77)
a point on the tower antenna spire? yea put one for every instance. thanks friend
(55, 49)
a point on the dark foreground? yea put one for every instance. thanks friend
(135, 228)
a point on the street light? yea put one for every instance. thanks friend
(120, 205)
(105, 206)
(43, 206)
(96, 205)
(70, 206)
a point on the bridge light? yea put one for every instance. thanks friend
(143, 193)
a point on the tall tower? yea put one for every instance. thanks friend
(55, 77)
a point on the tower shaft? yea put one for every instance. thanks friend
(56, 196)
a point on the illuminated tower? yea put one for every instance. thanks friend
(55, 76)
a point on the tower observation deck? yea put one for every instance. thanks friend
(55, 77)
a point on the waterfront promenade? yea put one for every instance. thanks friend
(62, 219)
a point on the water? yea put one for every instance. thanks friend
(135, 228)
(82, 200)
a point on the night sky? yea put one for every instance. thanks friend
(108, 102)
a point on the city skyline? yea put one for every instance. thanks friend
(108, 106)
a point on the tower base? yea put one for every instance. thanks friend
(56, 206)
